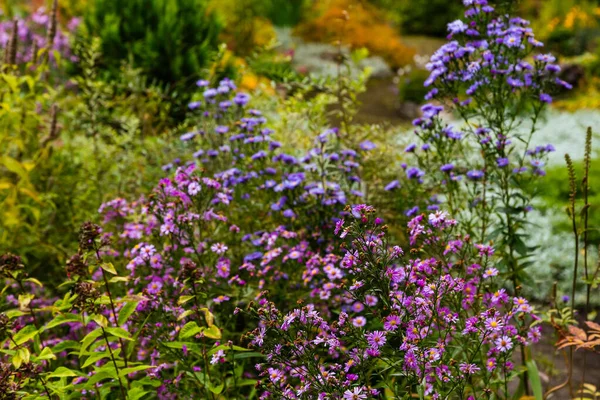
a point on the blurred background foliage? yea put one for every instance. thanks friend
(95, 115)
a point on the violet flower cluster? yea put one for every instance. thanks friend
(32, 36)
(433, 317)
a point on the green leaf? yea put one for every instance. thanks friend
(62, 372)
(24, 335)
(184, 314)
(534, 379)
(46, 354)
(126, 311)
(94, 358)
(109, 267)
(65, 345)
(216, 389)
(226, 347)
(136, 393)
(100, 320)
(210, 318)
(240, 356)
(89, 339)
(190, 329)
(34, 281)
(61, 319)
(99, 376)
(126, 371)
(184, 299)
(212, 332)
(119, 332)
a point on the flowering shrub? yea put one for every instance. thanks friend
(34, 35)
(432, 316)
(480, 168)
(357, 25)
(254, 270)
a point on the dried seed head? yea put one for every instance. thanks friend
(88, 233)
(52, 26)
(87, 294)
(76, 266)
(10, 263)
(53, 133)
(10, 55)
(6, 325)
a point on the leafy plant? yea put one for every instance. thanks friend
(171, 41)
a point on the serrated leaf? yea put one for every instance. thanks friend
(136, 393)
(216, 389)
(24, 335)
(89, 339)
(14, 313)
(66, 345)
(126, 311)
(126, 371)
(100, 320)
(17, 361)
(184, 299)
(61, 372)
(33, 280)
(212, 332)
(116, 279)
(190, 329)
(184, 314)
(99, 376)
(119, 332)
(46, 354)
(109, 267)
(208, 316)
(94, 358)
(61, 319)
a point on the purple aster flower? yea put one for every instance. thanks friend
(241, 99)
(475, 175)
(410, 148)
(376, 339)
(222, 129)
(392, 185)
(202, 83)
(546, 98)
(447, 167)
(289, 213)
(194, 105)
(367, 145)
(187, 136)
(210, 93)
(457, 27)
(502, 162)
(414, 173)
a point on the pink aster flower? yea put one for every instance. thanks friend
(392, 322)
(371, 300)
(490, 272)
(359, 322)
(219, 248)
(376, 339)
(355, 394)
(504, 344)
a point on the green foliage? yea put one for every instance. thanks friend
(286, 12)
(410, 86)
(554, 191)
(427, 17)
(170, 40)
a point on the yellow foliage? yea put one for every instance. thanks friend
(586, 98)
(244, 28)
(578, 18)
(357, 24)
